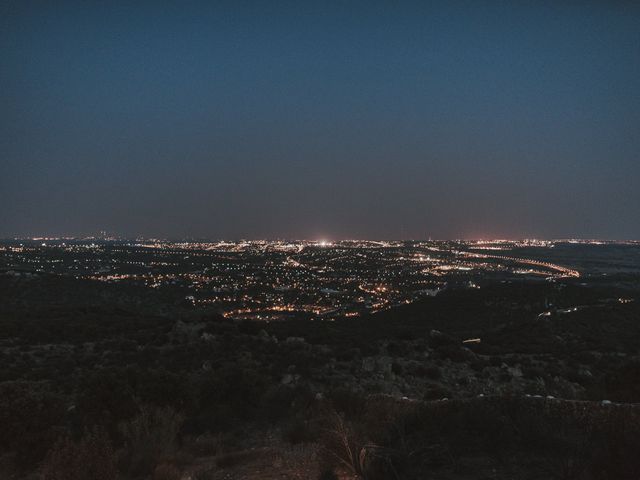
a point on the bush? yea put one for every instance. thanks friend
(436, 392)
(204, 445)
(227, 460)
(281, 402)
(455, 353)
(204, 474)
(90, 458)
(624, 386)
(149, 439)
(237, 389)
(105, 398)
(299, 431)
(342, 445)
(328, 474)
(559, 439)
(30, 415)
(433, 372)
(166, 471)
(371, 447)
(345, 401)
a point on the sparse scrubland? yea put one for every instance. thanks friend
(107, 382)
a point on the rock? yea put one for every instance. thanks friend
(295, 340)
(585, 373)
(515, 372)
(264, 336)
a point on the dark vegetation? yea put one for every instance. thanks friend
(519, 438)
(103, 381)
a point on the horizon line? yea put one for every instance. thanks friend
(325, 241)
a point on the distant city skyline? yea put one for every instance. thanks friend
(321, 242)
(320, 120)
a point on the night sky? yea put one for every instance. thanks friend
(320, 120)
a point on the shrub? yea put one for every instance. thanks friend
(298, 431)
(439, 339)
(105, 398)
(342, 445)
(436, 392)
(29, 416)
(226, 460)
(282, 402)
(346, 401)
(455, 353)
(149, 439)
(204, 445)
(562, 440)
(397, 368)
(624, 386)
(166, 471)
(237, 388)
(204, 474)
(90, 458)
(372, 447)
(328, 474)
(433, 372)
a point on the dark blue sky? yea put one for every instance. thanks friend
(320, 119)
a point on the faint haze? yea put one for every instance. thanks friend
(320, 119)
